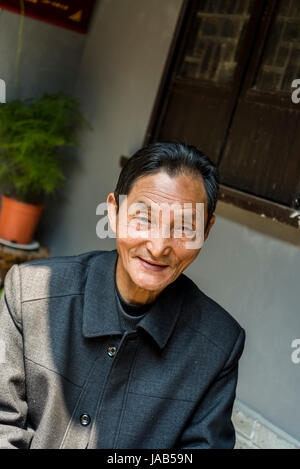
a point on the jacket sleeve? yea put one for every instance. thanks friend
(211, 426)
(13, 406)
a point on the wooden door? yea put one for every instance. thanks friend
(229, 93)
(262, 153)
(214, 47)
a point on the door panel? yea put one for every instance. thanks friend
(196, 117)
(262, 150)
(208, 73)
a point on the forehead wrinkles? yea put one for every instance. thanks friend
(160, 196)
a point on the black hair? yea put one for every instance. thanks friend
(174, 158)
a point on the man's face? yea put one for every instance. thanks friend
(152, 262)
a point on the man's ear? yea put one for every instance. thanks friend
(211, 222)
(112, 211)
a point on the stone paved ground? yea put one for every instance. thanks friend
(252, 433)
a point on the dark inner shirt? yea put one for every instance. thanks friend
(131, 309)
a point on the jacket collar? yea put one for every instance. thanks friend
(100, 312)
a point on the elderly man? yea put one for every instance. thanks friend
(120, 349)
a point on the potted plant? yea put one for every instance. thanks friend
(31, 165)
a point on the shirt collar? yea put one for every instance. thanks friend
(100, 313)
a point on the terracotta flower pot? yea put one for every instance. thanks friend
(18, 220)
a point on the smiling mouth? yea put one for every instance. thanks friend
(152, 266)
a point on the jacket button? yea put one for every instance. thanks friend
(112, 350)
(85, 419)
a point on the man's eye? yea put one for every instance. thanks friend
(183, 229)
(143, 222)
(187, 230)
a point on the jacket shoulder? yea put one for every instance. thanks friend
(207, 317)
(56, 276)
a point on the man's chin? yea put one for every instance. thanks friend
(150, 284)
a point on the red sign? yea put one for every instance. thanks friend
(72, 14)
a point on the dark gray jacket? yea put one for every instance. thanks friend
(70, 379)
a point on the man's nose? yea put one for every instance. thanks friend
(159, 246)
